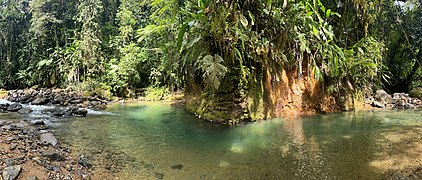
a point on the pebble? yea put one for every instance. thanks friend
(12, 147)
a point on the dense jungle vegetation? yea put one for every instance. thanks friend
(119, 45)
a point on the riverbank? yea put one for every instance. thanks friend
(31, 151)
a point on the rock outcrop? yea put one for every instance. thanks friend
(62, 97)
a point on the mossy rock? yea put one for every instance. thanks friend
(416, 93)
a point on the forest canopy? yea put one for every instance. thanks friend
(119, 45)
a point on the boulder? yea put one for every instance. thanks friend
(382, 96)
(48, 138)
(59, 99)
(48, 92)
(39, 101)
(25, 97)
(11, 173)
(4, 106)
(78, 111)
(377, 104)
(14, 107)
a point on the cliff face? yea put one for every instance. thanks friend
(274, 92)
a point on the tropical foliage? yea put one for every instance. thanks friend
(127, 44)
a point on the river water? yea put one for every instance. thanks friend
(156, 140)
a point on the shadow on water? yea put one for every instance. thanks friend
(156, 140)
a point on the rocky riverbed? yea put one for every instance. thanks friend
(60, 97)
(31, 151)
(28, 149)
(383, 100)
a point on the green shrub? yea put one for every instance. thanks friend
(93, 88)
(154, 93)
(416, 92)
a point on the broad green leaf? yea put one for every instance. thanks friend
(182, 32)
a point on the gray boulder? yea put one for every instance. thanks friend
(14, 107)
(11, 173)
(382, 96)
(25, 97)
(39, 101)
(59, 99)
(48, 138)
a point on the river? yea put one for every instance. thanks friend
(157, 140)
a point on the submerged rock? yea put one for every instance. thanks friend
(159, 175)
(84, 162)
(11, 173)
(48, 138)
(177, 166)
(25, 111)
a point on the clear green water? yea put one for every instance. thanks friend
(144, 141)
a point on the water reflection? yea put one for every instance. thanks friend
(294, 126)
